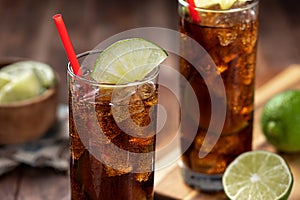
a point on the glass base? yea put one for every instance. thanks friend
(203, 182)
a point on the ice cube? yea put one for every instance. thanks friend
(121, 95)
(142, 177)
(111, 171)
(120, 102)
(146, 90)
(226, 37)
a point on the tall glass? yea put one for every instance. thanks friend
(230, 38)
(112, 136)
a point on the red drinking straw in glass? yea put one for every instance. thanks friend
(64, 36)
(194, 14)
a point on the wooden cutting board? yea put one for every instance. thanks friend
(168, 181)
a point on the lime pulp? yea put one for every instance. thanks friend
(258, 175)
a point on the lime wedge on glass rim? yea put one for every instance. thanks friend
(127, 60)
(224, 4)
(258, 175)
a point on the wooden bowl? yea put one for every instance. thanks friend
(27, 120)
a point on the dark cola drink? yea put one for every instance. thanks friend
(112, 140)
(230, 39)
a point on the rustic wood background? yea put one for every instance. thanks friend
(27, 29)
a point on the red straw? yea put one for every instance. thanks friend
(195, 15)
(64, 36)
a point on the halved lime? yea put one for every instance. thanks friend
(25, 86)
(224, 4)
(258, 175)
(127, 61)
(44, 72)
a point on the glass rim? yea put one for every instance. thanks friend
(151, 76)
(253, 3)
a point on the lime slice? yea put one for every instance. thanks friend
(127, 61)
(258, 175)
(224, 4)
(206, 4)
(25, 86)
(44, 72)
(4, 79)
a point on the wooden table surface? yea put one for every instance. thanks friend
(27, 30)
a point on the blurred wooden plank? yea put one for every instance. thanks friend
(287, 79)
(43, 184)
(9, 185)
(278, 44)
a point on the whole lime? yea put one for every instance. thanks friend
(280, 121)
